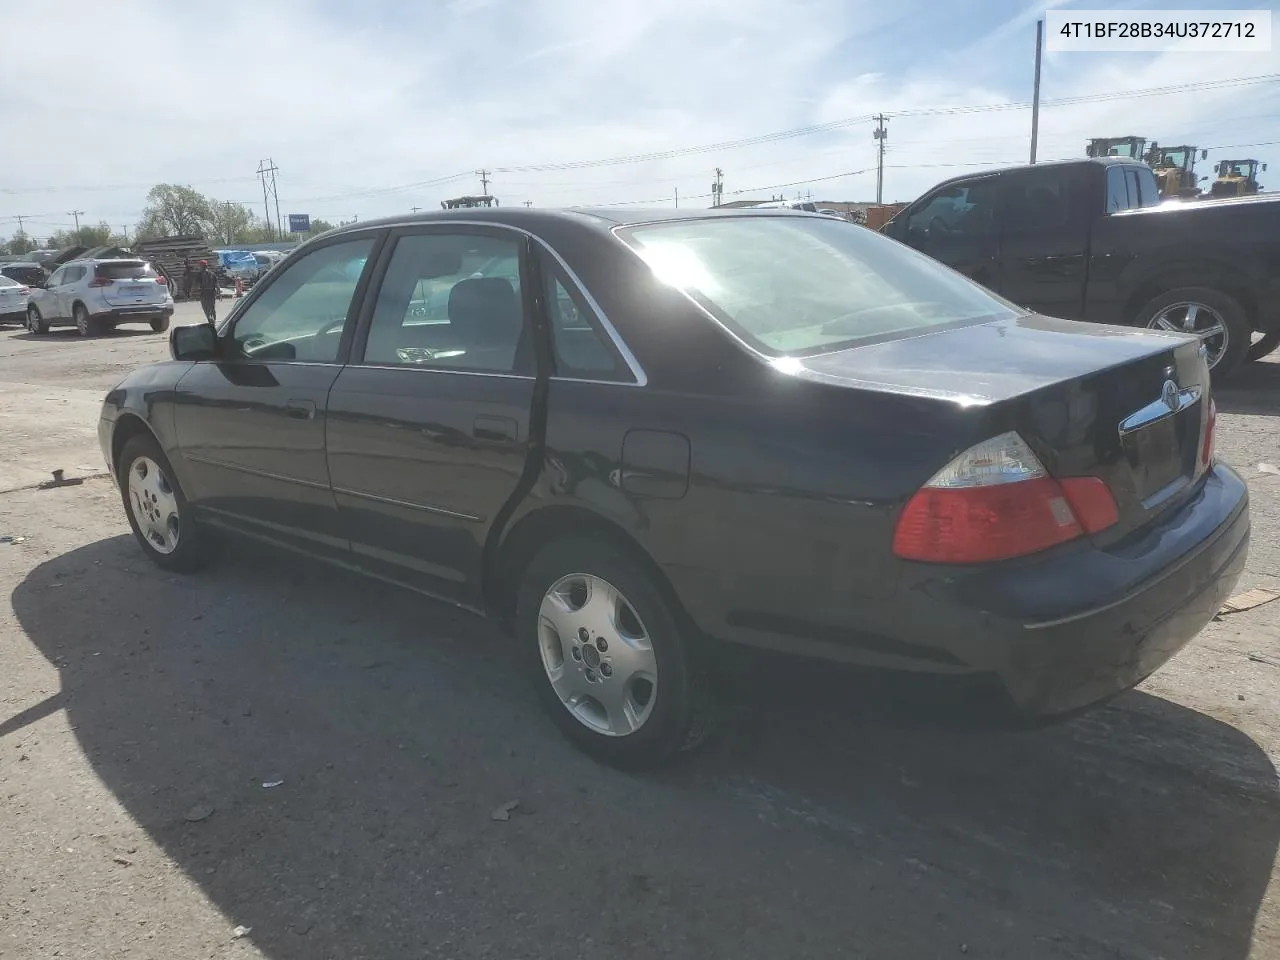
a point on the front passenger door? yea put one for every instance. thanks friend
(959, 225)
(251, 425)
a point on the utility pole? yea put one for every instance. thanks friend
(21, 232)
(266, 207)
(677, 198)
(528, 203)
(414, 209)
(76, 214)
(1035, 95)
(276, 193)
(880, 134)
(484, 181)
(717, 188)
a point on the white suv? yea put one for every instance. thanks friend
(99, 294)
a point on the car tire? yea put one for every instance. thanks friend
(158, 511)
(36, 323)
(161, 325)
(86, 326)
(1169, 311)
(1263, 347)
(643, 669)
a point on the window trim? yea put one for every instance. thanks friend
(364, 320)
(552, 271)
(998, 186)
(226, 331)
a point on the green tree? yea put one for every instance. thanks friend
(20, 244)
(87, 236)
(231, 222)
(174, 210)
(318, 227)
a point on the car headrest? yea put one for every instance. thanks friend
(485, 311)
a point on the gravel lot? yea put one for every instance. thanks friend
(142, 717)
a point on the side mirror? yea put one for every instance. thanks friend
(197, 342)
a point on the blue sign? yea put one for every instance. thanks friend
(299, 222)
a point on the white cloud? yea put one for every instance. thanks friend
(350, 104)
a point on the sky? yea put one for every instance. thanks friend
(371, 109)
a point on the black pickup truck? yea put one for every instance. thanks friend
(1091, 240)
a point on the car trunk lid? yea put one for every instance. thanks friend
(1128, 406)
(130, 284)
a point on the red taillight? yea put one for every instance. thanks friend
(1091, 501)
(23, 291)
(1206, 450)
(996, 501)
(101, 282)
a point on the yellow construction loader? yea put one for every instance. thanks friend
(1175, 170)
(1236, 178)
(1134, 147)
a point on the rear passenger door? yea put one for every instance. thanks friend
(430, 426)
(1045, 238)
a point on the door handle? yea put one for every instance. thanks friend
(495, 428)
(300, 410)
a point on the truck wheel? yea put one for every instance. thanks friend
(1266, 345)
(1218, 320)
(607, 655)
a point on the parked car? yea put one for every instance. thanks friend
(94, 295)
(26, 273)
(13, 300)
(1091, 240)
(649, 441)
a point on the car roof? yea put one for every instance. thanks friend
(599, 218)
(25, 264)
(106, 260)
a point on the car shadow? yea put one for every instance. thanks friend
(1253, 389)
(70, 333)
(825, 819)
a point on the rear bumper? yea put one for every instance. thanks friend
(139, 314)
(1084, 624)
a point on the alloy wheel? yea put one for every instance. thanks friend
(1199, 319)
(597, 655)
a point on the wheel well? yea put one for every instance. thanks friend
(1219, 277)
(127, 427)
(510, 559)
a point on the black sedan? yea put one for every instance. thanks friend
(643, 438)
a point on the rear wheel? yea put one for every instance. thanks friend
(160, 325)
(1216, 318)
(1262, 347)
(36, 323)
(85, 324)
(158, 510)
(606, 652)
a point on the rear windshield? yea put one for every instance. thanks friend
(133, 270)
(795, 286)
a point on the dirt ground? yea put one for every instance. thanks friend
(273, 759)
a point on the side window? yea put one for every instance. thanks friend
(1117, 191)
(962, 210)
(300, 316)
(74, 275)
(56, 279)
(1143, 189)
(451, 301)
(1038, 200)
(580, 349)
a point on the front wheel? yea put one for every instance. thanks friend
(85, 324)
(36, 323)
(1216, 318)
(158, 510)
(160, 325)
(1266, 345)
(607, 654)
